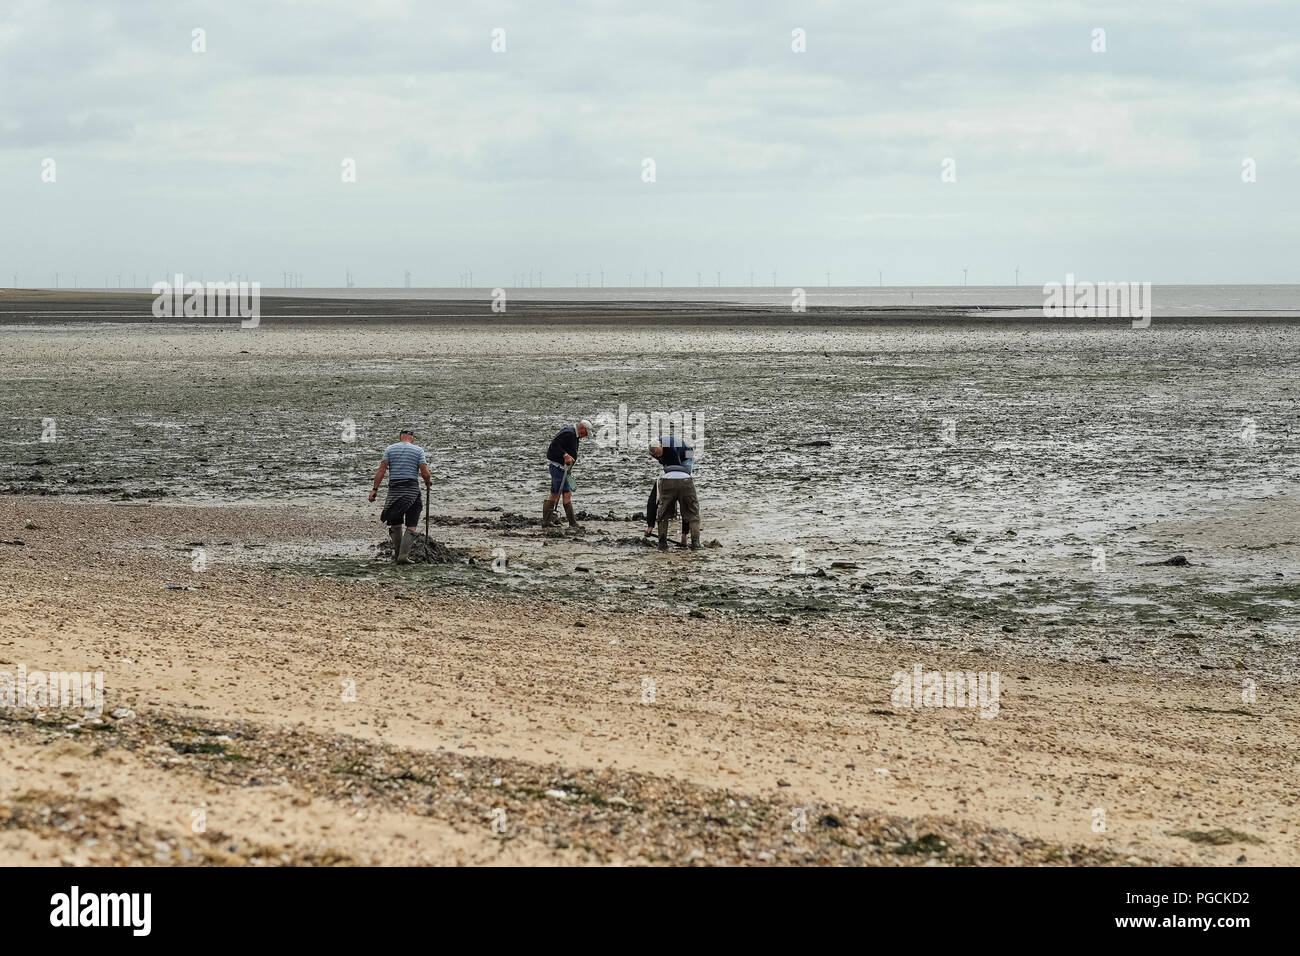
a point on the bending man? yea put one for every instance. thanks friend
(676, 487)
(652, 511)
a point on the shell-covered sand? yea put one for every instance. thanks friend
(517, 730)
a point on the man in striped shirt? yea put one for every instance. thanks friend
(403, 461)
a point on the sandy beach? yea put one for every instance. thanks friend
(292, 699)
(518, 730)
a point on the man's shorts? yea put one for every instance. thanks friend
(678, 492)
(404, 503)
(557, 476)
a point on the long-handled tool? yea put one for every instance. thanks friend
(566, 482)
(428, 493)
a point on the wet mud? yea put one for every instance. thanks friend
(1078, 464)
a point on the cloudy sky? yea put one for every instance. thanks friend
(1120, 165)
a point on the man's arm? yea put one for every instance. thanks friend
(424, 473)
(379, 476)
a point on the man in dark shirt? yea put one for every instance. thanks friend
(560, 457)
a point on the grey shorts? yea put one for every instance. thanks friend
(681, 492)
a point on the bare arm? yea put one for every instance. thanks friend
(424, 473)
(379, 476)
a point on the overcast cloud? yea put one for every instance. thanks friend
(1118, 165)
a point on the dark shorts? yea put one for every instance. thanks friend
(402, 489)
(557, 476)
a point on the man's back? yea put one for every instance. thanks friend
(404, 460)
(678, 456)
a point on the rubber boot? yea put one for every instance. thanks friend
(395, 536)
(404, 556)
(568, 513)
(663, 536)
(695, 536)
(548, 513)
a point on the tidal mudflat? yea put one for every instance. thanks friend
(1079, 490)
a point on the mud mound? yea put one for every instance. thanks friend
(426, 551)
(508, 520)
(608, 516)
(512, 520)
(651, 541)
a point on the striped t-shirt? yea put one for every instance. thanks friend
(404, 460)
